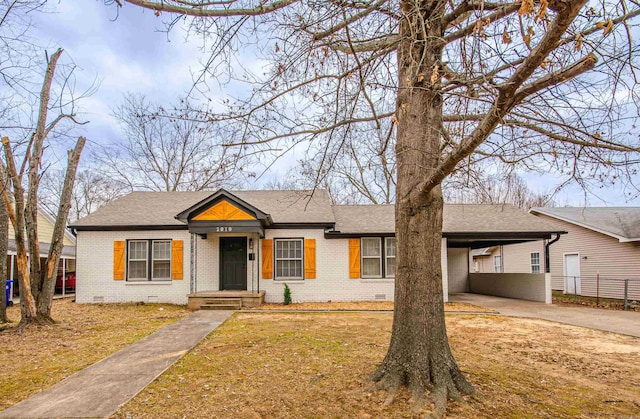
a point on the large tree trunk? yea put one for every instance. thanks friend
(45, 297)
(419, 356)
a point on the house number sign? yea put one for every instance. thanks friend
(224, 229)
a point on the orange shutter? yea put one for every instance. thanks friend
(177, 257)
(354, 258)
(118, 260)
(267, 259)
(310, 258)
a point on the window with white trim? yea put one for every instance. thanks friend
(390, 256)
(535, 262)
(161, 260)
(146, 265)
(371, 257)
(289, 264)
(497, 264)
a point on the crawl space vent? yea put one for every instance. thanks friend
(381, 296)
(98, 299)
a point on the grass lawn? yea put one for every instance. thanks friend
(41, 356)
(278, 365)
(361, 305)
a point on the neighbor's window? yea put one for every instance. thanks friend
(138, 257)
(289, 258)
(145, 265)
(535, 262)
(390, 252)
(371, 257)
(497, 264)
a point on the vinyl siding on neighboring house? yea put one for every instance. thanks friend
(45, 231)
(604, 254)
(516, 258)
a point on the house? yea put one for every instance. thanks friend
(600, 251)
(189, 246)
(46, 223)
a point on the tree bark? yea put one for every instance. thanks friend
(16, 214)
(35, 159)
(45, 297)
(419, 356)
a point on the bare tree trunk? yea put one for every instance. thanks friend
(35, 159)
(419, 356)
(45, 297)
(16, 215)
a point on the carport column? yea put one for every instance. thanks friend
(445, 273)
(547, 288)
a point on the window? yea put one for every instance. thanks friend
(161, 259)
(143, 265)
(371, 257)
(390, 252)
(535, 262)
(497, 264)
(289, 259)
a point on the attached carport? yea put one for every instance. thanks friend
(488, 226)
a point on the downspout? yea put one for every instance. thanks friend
(547, 267)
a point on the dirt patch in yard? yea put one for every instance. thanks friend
(362, 306)
(281, 365)
(41, 356)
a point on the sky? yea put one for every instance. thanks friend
(126, 51)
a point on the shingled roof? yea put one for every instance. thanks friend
(160, 208)
(140, 210)
(457, 219)
(622, 223)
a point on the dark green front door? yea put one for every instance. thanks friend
(233, 263)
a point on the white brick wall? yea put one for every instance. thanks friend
(94, 270)
(332, 283)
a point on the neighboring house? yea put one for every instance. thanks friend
(515, 258)
(46, 223)
(600, 251)
(171, 246)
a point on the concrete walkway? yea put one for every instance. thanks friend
(100, 390)
(624, 322)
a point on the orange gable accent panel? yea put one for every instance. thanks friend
(223, 211)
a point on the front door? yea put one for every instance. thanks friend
(572, 283)
(233, 263)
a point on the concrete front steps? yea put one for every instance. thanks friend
(224, 300)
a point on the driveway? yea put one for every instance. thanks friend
(623, 322)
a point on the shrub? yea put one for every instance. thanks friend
(287, 295)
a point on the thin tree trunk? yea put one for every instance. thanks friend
(45, 297)
(31, 208)
(419, 356)
(16, 215)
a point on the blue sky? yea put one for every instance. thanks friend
(128, 52)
